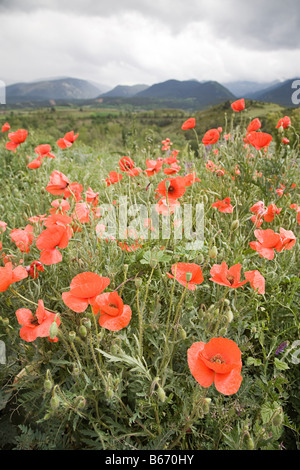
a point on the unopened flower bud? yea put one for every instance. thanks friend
(250, 443)
(138, 282)
(82, 331)
(161, 394)
(72, 336)
(206, 405)
(48, 385)
(80, 402)
(213, 252)
(152, 263)
(87, 323)
(109, 393)
(235, 225)
(229, 315)
(53, 330)
(182, 333)
(54, 402)
(188, 277)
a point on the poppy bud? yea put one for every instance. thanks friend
(188, 277)
(42, 190)
(138, 282)
(152, 263)
(48, 385)
(161, 394)
(109, 393)
(115, 349)
(125, 268)
(54, 402)
(53, 330)
(235, 225)
(5, 321)
(229, 315)
(167, 184)
(72, 336)
(250, 443)
(182, 333)
(206, 405)
(213, 252)
(80, 402)
(83, 331)
(87, 323)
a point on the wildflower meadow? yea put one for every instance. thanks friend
(150, 292)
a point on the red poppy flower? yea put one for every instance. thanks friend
(254, 125)
(113, 178)
(257, 281)
(38, 326)
(189, 124)
(58, 183)
(84, 289)
(3, 226)
(287, 241)
(227, 277)
(270, 212)
(34, 268)
(164, 208)
(190, 179)
(219, 362)
(284, 140)
(180, 271)
(284, 122)
(126, 164)
(74, 190)
(173, 169)
(176, 187)
(153, 166)
(56, 235)
(224, 206)
(238, 105)
(16, 138)
(92, 197)
(114, 315)
(82, 212)
(5, 127)
(259, 140)
(44, 150)
(23, 238)
(59, 206)
(36, 163)
(67, 140)
(211, 137)
(268, 240)
(10, 275)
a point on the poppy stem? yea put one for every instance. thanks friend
(221, 311)
(141, 311)
(30, 301)
(174, 326)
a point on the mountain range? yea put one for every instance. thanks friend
(173, 93)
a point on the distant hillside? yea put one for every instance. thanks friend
(205, 93)
(280, 94)
(248, 89)
(125, 91)
(57, 89)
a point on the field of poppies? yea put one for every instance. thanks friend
(150, 294)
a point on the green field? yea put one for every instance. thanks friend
(134, 388)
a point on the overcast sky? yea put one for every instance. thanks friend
(146, 41)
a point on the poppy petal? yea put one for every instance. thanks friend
(199, 371)
(76, 304)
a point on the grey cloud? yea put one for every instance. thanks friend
(256, 24)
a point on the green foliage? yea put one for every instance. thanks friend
(97, 389)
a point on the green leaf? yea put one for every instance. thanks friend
(280, 365)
